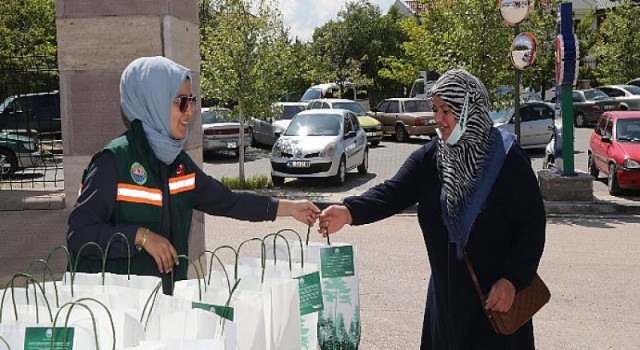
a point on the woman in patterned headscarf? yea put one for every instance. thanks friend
(144, 186)
(476, 193)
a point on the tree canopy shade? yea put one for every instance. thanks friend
(617, 44)
(242, 46)
(28, 50)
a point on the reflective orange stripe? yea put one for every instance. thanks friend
(182, 183)
(139, 194)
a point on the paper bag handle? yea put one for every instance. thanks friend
(10, 285)
(80, 302)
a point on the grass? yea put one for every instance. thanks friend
(251, 183)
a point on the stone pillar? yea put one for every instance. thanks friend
(97, 39)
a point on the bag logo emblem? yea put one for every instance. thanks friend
(138, 174)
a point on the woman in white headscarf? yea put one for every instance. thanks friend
(143, 185)
(476, 193)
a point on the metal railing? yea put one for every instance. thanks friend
(30, 123)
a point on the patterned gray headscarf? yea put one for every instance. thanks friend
(460, 164)
(148, 87)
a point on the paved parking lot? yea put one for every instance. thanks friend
(384, 161)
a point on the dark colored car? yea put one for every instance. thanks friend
(589, 104)
(35, 111)
(614, 149)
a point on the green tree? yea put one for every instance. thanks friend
(242, 48)
(330, 49)
(586, 35)
(455, 34)
(351, 47)
(28, 50)
(617, 45)
(542, 23)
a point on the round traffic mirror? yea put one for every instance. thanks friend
(523, 50)
(513, 12)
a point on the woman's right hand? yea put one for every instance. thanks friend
(333, 218)
(160, 249)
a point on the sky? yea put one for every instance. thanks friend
(303, 16)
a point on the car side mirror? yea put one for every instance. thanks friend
(605, 139)
(374, 109)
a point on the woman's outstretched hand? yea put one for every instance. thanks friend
(301, 210)
(333, 218)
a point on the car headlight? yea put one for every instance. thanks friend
(329, 150)
(631, 164)
(276, 151)
(379, 126)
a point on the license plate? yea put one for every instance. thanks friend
(371, 134)
(232, 145)
(432, 121)
(298, 164)
(608, 107)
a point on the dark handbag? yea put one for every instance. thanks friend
(525, 304)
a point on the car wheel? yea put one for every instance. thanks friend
(277, 180)
(614, 189)
(364, 167)
(8, 163)
(375, 143)
(401, 134)
(591, 166)
(579, 122)
(341, 175)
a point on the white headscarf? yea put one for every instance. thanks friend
(148, 87)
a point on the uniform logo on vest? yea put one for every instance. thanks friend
(138, 173)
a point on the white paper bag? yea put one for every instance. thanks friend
(339, 322)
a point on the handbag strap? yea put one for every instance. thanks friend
(473, 276)
(476, 284)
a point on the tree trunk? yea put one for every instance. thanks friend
(241, 142)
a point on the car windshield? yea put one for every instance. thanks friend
(417, 106)
(216, 116)
(594, 95)
(314, 125)
(628, 130)
(501, 116)
(350, 106)
(634, 90)
(289, 111)
(311, 94)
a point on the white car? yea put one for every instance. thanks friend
(320, 143)
(536, 123)
(267, 130)
(220, 132)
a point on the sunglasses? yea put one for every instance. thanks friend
(184, 102)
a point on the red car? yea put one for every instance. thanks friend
(614, 149)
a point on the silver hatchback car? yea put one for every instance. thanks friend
(320, 143)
